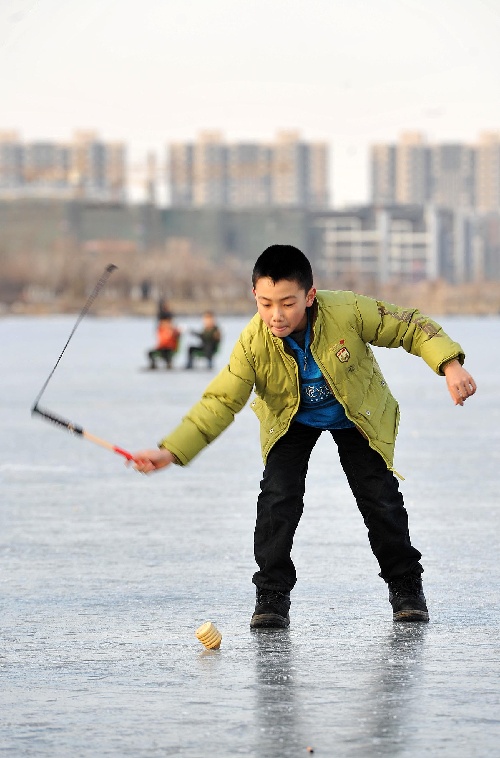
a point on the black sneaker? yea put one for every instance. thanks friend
(407, 598)
(271, 610)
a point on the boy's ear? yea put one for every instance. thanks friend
(310, 297)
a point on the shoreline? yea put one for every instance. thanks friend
(439, 298)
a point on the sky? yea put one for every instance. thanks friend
(346, 72)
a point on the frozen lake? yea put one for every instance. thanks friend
(106, 575)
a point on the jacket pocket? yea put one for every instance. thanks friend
(381, 422)
(268, 420)
(272, 426)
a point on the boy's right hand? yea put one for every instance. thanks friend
(146, 461)
(460, 383)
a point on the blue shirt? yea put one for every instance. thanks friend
(318, 405)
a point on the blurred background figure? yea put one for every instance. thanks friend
(164, 311)
(167, 342)
(209, 337)
(145, 289)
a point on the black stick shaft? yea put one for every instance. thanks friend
(59, 420)
(71, 427)
(100, 284)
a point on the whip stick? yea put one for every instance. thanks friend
(54, 418)
(100, 284)
(76, 429)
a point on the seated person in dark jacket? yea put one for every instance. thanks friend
(209, 341)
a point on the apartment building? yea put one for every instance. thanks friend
(181, 175)
(84, 168)
(45, 166)
(209, 171)
(449, 175)
(317, 176)
(383, 174)
(453, 176)
(97, 170)
(11, 161)
(248, 175)
(413, 175)
(487, 173)
(288, 173)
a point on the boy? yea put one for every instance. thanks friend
(307, 354)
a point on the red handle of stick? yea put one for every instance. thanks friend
(123, 452)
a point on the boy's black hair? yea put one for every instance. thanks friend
(279, 262)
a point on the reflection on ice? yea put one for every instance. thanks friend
(277, 711)
(387, 711)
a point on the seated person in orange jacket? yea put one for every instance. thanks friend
(167, 343)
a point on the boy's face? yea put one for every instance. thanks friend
(282, 305)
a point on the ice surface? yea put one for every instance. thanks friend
(106, 575)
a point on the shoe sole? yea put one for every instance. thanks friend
(269, 621)
(411, 616)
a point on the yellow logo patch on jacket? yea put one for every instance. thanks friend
(343, 353)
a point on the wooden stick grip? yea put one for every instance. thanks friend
(108, 445)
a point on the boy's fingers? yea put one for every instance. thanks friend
(461, 388)
(467, 389)
(147, 461)
(143, 465)
(461, 392)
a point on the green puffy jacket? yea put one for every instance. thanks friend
(343, 326)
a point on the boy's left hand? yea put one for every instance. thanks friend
(460, 383)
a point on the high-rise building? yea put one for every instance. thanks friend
(413, 176)
(318, 180)
(487, 174)
(86, 168)
(452, 170)
(449, 175)
(289, 173)
(181, 175)
(209, 170)
(97, 169)
(383, 174)
(11, 161)
(45, 167)
(248, 175)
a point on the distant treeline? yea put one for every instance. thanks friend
(60, 280)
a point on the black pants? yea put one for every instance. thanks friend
(200, 351)
(280, 505)
(164, 354)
